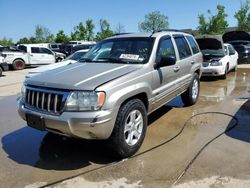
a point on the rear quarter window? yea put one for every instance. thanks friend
(193, 44)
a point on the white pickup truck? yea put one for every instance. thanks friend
(28, 55)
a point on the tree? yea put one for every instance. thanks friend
(216, 24)
(24, 40)
(6, 42)
(105, 30)
(43, 35)
(154, 21)
(90, 30)
(243, 17)
(120, 28)
(61, 37)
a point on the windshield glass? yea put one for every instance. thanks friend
(75, 56)
(214, 53)
(121, 50)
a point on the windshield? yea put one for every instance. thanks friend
(214, 53)
(121, 50)
(75, 56)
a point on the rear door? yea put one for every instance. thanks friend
(47, 56)
(185, 61)
(164, 78)
(35, 56)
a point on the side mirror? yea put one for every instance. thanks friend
(231, 53)
(165, 61)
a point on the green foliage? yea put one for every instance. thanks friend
(6, 42)
(43, 35)
(216, 24)
(24, 40)
(154, 21)
(243, 17)
(105, 30)
(83, 32)
(61, 37)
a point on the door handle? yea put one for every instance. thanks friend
(176, 69)
(192, 62)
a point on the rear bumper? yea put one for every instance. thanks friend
(4, 66)
(87, 125)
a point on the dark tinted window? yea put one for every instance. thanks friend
(165, 48)
(193, 44)
(45, 51)
(183, 48)
(35, 50)
(22, 48)
(231, 50)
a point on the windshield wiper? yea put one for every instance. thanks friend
(85, 60)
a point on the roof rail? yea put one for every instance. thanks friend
(117, 34)
(161, 30)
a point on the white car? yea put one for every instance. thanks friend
(73, 58)
(28, 55)
(219, 58)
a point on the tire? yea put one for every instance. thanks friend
(58, 60)
(1, 71)
(235, 68)
(125, 143)
(224, 76)
(18, 64)
(191, 95)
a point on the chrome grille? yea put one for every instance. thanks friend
(48, 101)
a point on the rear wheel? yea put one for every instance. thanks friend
(235, 68)
(129, 130)
(18, 64)
(191, 96)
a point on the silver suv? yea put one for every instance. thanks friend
(110, 92)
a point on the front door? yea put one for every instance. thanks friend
(164, 78)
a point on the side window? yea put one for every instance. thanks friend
(183, 48)
(193, 45)
(45, 51)
(165, 48)
(35, 50)
(231, 50)
(22, 48)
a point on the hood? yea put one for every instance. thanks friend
(211, 42)
(51, 66)
(81, 76)
(236, 36)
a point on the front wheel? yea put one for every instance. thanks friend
(1, 72)
(130, 129)
(191, 96)
(224, 76)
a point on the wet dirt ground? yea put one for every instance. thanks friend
(30, 158)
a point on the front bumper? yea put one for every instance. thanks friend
(5, 66)
(87, 125)
(213, 71)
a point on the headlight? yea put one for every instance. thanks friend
(85, 101)
(23, 93)
(216, 63)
